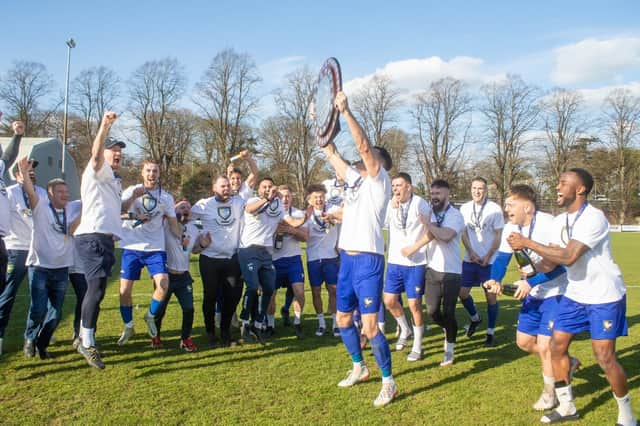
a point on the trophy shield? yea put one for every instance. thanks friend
(326, 116)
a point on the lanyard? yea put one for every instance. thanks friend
(531, 226)
(477, 217)
(404, 213)
(27, 204)
(61, 223)
(570, 228)
(318, 220)
(440, 216)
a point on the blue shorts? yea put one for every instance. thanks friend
(537, 316)
(405, 279)
(473, 274)
(602, 320)
(134, 260)
(360, 282)
(323, 271)
(288, 271)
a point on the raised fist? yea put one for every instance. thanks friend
(109, 118)
(18, 127)
(341, 102)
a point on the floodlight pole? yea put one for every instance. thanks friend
(70, 45)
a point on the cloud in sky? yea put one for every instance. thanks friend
(592, 60)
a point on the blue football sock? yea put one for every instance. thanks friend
(382, 353)
(351, 340)
(356, 316)
(492, 311)
(126, 312)
(381, 313)
(469, 305)
(155, 305)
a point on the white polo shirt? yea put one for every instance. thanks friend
(290, 245)
(594, 278)
(365, 208)
(100, 194)
(260, 228)
(178, 256)
(223, 220)
(323, 237)
(447, 256)
(21, 222)
(405, 228)
(481, 222)
(51, 245)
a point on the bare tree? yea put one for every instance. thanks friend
(441, 116)
(22, 90)
(375, 105)
(510, 109)
(154, 91)
(622, 121)
(226, 99)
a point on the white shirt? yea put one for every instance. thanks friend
(179, 249)
(74, 208)
(594, 278)
(21, 224)
(223, 220)
(245, 192)
(290, 246)
(5, 221)
(323, 237)
(543, 233)
(50, 248)
(100, 194)
(148, 236)
(260, 228)
(365, 208)
(447, 256)
(405, 228)
(335, 192)
(481, 222)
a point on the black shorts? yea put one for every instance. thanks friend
(96, 254)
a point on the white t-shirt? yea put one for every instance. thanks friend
(594, 278)
(100, 194)
(405, 228)
(290, 246)
(178, 256)
(323, 237)
(74, 208)
(148, 236)
(245, 192)
(447, 256)
(223, 220)
(260, 228)
(5, 221)
(480, 226)
(365, 208)
(543, 233)
(51, 245)
(335, 192)
(21, 224)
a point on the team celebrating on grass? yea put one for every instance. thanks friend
(571, 284)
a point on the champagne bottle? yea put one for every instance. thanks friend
(509, 289)
(278, 242)
(526, 264)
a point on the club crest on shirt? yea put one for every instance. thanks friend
(418, 289)
(273, 210)
(607, 325)
(149, 202)
(368, 301)
(225, 216)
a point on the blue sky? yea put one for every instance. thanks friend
(590, 45)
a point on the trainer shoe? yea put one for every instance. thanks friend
(234, 321)
(448, 359)
(127, 334)
(414, 356)
(397, 333)
(269, 331)
(354, 376)
(92, 356)
(320, 331)
(471, 328)
(29, 348)
(574, 365)
(336, 332)
(286, 317)
(297, 328)
(259, 335)
(151, 324)
(187, 345)
(545, 402)
(247, 334)
(156, 343)
(0, 345)
(402, 342)
(44, 354)
(489, 341)
(76, 342)
(556, 417)
(388, 392)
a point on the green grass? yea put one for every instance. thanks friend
(290, 381)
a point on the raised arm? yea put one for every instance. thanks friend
(25, 167)
(253, 168)
(560, 256)
(336, 161)
(97, 150)
(10, 155)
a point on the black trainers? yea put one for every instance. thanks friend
(44, 354)
(286, 318)
(269, 331)
(92, 356)
(473, 326)
(247, 334)
(489, 341)
(298, 330)
(29, 348)
(212, 341)
(259, 335)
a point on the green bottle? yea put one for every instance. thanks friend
(524, 261)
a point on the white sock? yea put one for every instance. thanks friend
(448, 347)
(321, 322)
(565, 398)
(417, 338)
(297, 316)
(333, 318)
(625, 414)
(404, 325)
(86, 334)
(129, 324)
(549, 384)
(388, 379)
(490, 331)
(475, 317)
(246, 323)
(271, 320)
(257, 325)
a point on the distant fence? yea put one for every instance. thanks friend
(624, 228)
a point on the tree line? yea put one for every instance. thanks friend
(508, 131)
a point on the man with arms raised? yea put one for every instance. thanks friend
(595, 299)
(481, 237)
(148, 206)
(361, 243)
(239, 187)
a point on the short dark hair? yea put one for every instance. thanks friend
(269, 178)
(440, 183)
(316, 187)
(585, 177)
(387, 163)
(479, 179)
(403, 175)
(237, 170)
(55, 182)
(524, 192)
